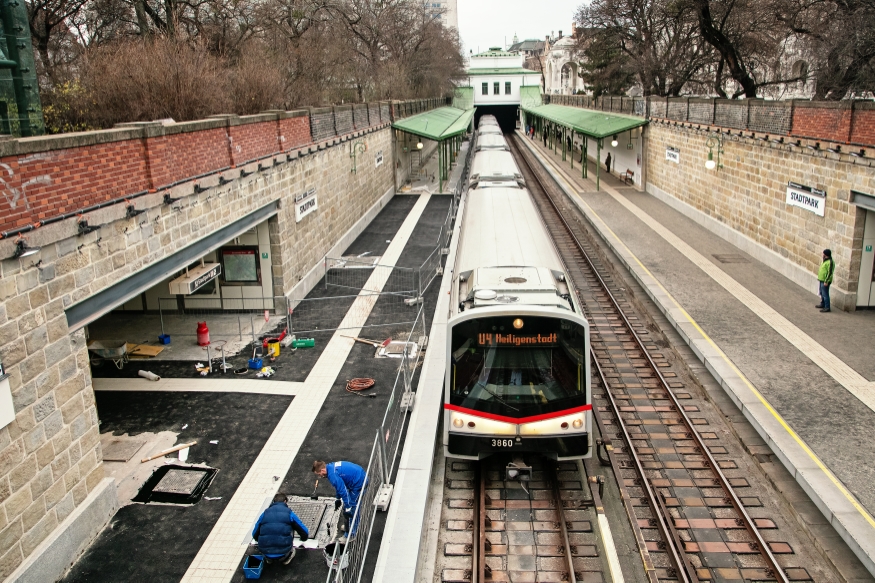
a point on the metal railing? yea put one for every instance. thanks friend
(350, 560)
(327, 314)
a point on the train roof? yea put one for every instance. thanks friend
(505, 251)
(494, 164)
(503, 227)
(491, 142)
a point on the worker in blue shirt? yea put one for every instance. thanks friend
(273, 531)
(349, 481)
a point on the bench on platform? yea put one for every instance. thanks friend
(629, 177)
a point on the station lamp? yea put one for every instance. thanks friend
(418, 145)
(714, 142)
(22, 250)
(614, 142)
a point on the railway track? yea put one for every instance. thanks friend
(689, 514)
(508, 531)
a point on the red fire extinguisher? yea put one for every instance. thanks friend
(203, 334)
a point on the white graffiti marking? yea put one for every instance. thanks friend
(14, 195)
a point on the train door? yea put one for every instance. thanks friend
(866, 287)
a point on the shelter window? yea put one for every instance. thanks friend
(486, 89)
(495, 88)
(507, 87)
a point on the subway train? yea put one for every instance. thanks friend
(518, 370)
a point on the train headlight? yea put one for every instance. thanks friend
(518, 323)
(577, 423)
(457, 422)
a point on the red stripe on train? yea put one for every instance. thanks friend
(517, 420)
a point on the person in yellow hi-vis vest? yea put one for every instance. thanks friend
(824, 276)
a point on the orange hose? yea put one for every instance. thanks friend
(362, 384)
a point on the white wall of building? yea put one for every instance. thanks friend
(516, 81)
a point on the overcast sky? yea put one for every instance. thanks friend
(486, 23)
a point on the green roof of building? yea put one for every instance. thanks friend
(495, 52)
(438, 124)
(502, 71)
(592, 123)
(463, 98)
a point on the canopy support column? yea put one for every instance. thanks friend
(571, 155)
(584, 156)
(598, 166)
(564, 142)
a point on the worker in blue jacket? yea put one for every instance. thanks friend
(273, 531)
(349, 481)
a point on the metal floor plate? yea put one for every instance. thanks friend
(310, 513)
(180, 482)
(121, 450)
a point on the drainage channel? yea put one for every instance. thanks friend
(683, 503)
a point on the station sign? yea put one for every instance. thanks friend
(195, 279)
(305, 204)
(378, 159)
(673, 155)
(806, 197)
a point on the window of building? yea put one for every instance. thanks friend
(495, 88)
(486, 89)
(507, 87)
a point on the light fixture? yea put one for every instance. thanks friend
(457, 422)
(835, 149)
(614, 142)
(860, 154)
(577, 423)
(518, 323)
(714, 142)
(22, 250)
(418, 145)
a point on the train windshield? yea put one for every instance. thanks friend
(518, 366)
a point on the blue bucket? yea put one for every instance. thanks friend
(253, 566)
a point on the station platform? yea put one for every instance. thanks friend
(802, 379)
(261, 434)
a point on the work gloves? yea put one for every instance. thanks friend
(337, 504)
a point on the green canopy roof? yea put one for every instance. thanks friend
(530, 96)
(595, 124)
(500, 71)
(463, 98)
(438, 124)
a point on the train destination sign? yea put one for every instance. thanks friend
(806, 197)
(516, 340)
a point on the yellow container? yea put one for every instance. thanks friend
(273, 349)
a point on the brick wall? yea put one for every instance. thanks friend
(44, 178)
(843, 122)
(749, 195)
(343, 119)
(823, 120)
(50, 457)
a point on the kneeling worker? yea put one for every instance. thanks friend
(349, 481)
(273, 531)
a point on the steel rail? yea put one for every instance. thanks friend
(762, 545)
(478, 542)
(554, 479)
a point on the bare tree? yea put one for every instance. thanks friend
(659, 38)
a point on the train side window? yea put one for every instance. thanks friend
(486, 89)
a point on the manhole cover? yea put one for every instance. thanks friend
(515, 280)
(176, 484)
(730, 258)
(179, 482)
(121, 450)
(310, 513)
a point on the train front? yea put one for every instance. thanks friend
(518, 377)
